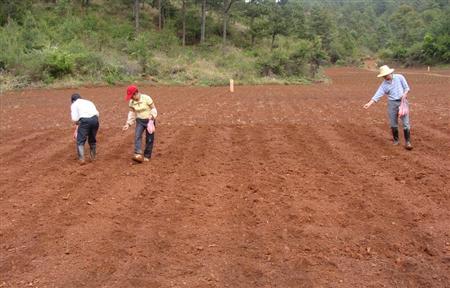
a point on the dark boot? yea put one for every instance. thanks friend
(395, 135)
(80, 150)
(93, 153)
(408, 145)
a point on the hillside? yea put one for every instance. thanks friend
(82, 42)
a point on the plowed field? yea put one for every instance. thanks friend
(271, 186)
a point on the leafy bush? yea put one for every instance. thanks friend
(293, 61)
(140, 49)
(163, 41)
(299, 58)
(192, 27)
(385, 54)
(436, 49)
(58, 63)
(273, 64)
(113, 74)
(11, 45)
(88, 63)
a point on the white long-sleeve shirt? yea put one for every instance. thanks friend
(83, 109)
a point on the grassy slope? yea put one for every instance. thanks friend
(101, 47)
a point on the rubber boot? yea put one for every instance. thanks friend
(80, 150)
(395, 135)
(93, 153)
(408, 145)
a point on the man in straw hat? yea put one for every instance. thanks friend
(396, 88)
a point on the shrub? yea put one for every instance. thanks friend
(58, 63)
(192, 27)
(399, 53)
(273, 64)
(293, 61)
(113, 74)
(140, 50)
(12, 47)
(88, 63)
(163, 41)
(385, 54)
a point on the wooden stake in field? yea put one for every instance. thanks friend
(428, 68)
(231, 85)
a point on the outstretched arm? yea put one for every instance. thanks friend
(130, 119)
(380, 93)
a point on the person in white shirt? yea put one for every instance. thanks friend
(85, 116)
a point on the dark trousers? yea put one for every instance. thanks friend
(87, 129)
(141, 126)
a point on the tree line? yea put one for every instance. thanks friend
(285, 38)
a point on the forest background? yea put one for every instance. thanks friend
(207, 42)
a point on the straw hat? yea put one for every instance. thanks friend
(385, 70)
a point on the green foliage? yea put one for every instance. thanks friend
(88, 63)
(140, 49)
(436, 49)
(45, 41)
(321, 25)
(193, 24)
(11, 46)
(58, 63)
(344, 50)
(13, 11)
(273, 64)
(31, 36)
(301, 60)
(407, 25)
(113, 74)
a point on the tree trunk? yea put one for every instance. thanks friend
(252, 21)
(273, 41)
(163, 17)
(160, 16)
(226, 15)
(202, 33)
(183, 12)
(225, 21)
(136, 15)
(84, 7)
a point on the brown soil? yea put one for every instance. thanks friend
(271, 186)
(371, 64)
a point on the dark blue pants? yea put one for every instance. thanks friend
(87, 129)
(141, 126)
